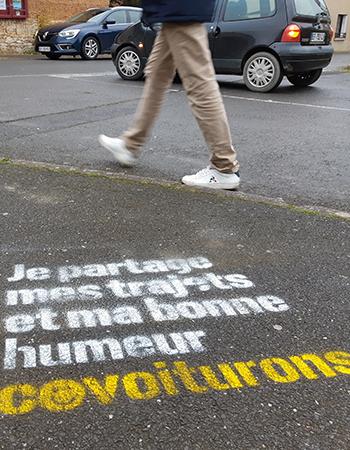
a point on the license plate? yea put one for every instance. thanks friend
(317, 38)
(44, 49)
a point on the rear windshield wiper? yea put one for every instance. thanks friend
(322, 17)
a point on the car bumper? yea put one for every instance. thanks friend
(114, 50)
(58, 46)
(302, 58)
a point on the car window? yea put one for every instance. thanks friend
(310, 7)
(249, 9)
(98, 18)
(135, 16)
(85, 16)
(119, 16)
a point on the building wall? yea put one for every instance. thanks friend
(340, 7)
(17, 35)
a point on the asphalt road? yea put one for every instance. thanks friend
(141, 314)
(293, 144)
(76, 251)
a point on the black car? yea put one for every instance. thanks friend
(263, 40)
(87, 34)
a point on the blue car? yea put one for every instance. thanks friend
(87, 34)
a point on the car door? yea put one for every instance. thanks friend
(243, 25)
(108, 32)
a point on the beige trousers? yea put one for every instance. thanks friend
(185, 48)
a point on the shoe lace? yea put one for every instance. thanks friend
(205, 171)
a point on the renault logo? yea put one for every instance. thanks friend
(45, 35)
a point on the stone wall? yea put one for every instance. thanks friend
(17, 35)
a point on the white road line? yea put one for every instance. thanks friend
(279, 102)
(25, 76)
(60, 75)
(80, 75)
(115, 82)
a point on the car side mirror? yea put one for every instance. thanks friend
(156, 27)
(144, 23)
(108, 22)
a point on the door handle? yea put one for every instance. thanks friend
(216, 31)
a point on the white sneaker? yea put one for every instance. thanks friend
(212, 178)
(118, 149)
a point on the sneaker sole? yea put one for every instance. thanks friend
(119, 155)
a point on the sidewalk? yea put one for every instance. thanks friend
(143, 316)
(339, 61)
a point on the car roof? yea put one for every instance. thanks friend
(97, 9)
(133, 8)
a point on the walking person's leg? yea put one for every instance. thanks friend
(160, 72)
(190, 50)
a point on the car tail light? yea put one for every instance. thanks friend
(331, 33)
(291, 34)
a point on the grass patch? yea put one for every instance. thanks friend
(29, 51)
(5, 160)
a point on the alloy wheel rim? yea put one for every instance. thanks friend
(91, 48)
(261, 72)
(129, 63)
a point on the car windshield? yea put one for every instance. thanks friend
(85, 16)
(310, 7)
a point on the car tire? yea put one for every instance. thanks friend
(90, 48)
(262, 72)
(52, 56)
(305, 78)
(129, 64)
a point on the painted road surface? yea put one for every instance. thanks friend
(146, 316)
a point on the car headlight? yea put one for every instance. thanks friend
(69, 34)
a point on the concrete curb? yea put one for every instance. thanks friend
(146, 181)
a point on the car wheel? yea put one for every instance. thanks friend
(262, 72)
(129, 64)
(52, 55)
(90, 48)
(305, 78)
